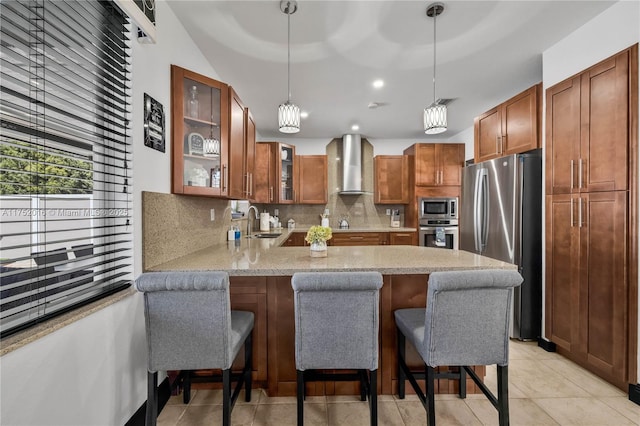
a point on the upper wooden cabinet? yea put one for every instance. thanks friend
(311, 179)
(274, 173)
(200, 136)
(587, 130)
(437, 164)
(391, 179)
(242, 142)
(509, 128)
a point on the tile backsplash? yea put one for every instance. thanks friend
(176, 225)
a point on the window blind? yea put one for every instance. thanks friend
(65, 157)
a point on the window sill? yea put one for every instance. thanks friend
(30, 335)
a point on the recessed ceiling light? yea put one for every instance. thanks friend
(304, 114)
(378, 83)
(355, 127)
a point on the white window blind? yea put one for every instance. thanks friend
(65, 156)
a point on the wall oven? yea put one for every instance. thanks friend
(438, 223)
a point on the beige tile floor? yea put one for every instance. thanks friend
(545, 389)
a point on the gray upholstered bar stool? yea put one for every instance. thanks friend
(190, 325)
(466, 323)
(336, 320)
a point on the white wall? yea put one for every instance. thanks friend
(316, 146)
(613, 30)
(93, 372)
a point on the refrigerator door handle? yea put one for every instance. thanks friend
(484, 185)
(476, 212)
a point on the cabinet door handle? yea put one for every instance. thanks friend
(271, 193)
(571, 210)
(498, 144)
(580, 173)
(250, 184)
(580, 212)
(224, 178)
(572, 180)
(355, 237)
(502, 138)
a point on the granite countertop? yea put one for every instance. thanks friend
(305, 228)
(254, 256)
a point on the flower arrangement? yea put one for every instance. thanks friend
(318, 234)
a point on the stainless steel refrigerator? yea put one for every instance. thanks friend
(501, 217)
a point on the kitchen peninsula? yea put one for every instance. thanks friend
(261, 271)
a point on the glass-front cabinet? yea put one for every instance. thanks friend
(286, 172)
(200, 116)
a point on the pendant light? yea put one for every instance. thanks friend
(288, 113)
(435, 115)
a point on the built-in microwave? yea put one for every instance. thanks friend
(439, 208)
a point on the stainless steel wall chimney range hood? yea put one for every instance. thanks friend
(350, 154)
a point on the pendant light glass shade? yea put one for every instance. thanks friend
(435, 119)
(435, 115)
(288, 113)
(289, 118)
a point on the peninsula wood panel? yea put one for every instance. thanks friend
(398, 291)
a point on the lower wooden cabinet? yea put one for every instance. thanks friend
(586, 280)
(403, 238)
(250, 294)
(359, 239)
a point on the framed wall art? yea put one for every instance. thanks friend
(153, 124)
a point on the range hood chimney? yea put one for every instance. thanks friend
(351, 156)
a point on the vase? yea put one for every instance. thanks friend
(318, 249)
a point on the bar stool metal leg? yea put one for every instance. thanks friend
(300, 396)
(401, 355)
(430, 384)
(248, 362)
(503, 395)
(373, 397)
(226, 397)
(152, 398)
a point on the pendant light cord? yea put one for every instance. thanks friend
(435, 18)
(288, 52)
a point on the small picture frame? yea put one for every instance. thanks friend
(154, 119)
(195, 144)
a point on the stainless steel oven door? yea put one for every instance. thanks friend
(427, 236)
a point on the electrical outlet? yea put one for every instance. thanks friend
(388, 212)
(213, 215)
(276, 212)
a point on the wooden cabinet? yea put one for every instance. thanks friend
(587, 130)
(311, 179)
(391, 179)
(250, 154)
(200, 137)
(403, 238)
(296, 239)
(242, 140)
(590, 251)
(274, 173)
(437, 164)
(359, 239)
(587, 280)
(511, 127)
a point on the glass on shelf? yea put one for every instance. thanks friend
(193, 106)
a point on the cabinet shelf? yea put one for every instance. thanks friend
(201, 123)
(202, 157)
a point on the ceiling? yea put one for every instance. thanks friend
(487, 51)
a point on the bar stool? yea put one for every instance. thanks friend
(465, 323)
(336, 327)
(190, 326)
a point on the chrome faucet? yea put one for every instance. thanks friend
(249, 218)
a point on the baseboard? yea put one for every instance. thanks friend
(547, 345)
(164, 393)
(634, 393)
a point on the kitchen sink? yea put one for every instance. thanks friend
(265, 235)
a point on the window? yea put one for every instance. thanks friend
(65, 152)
